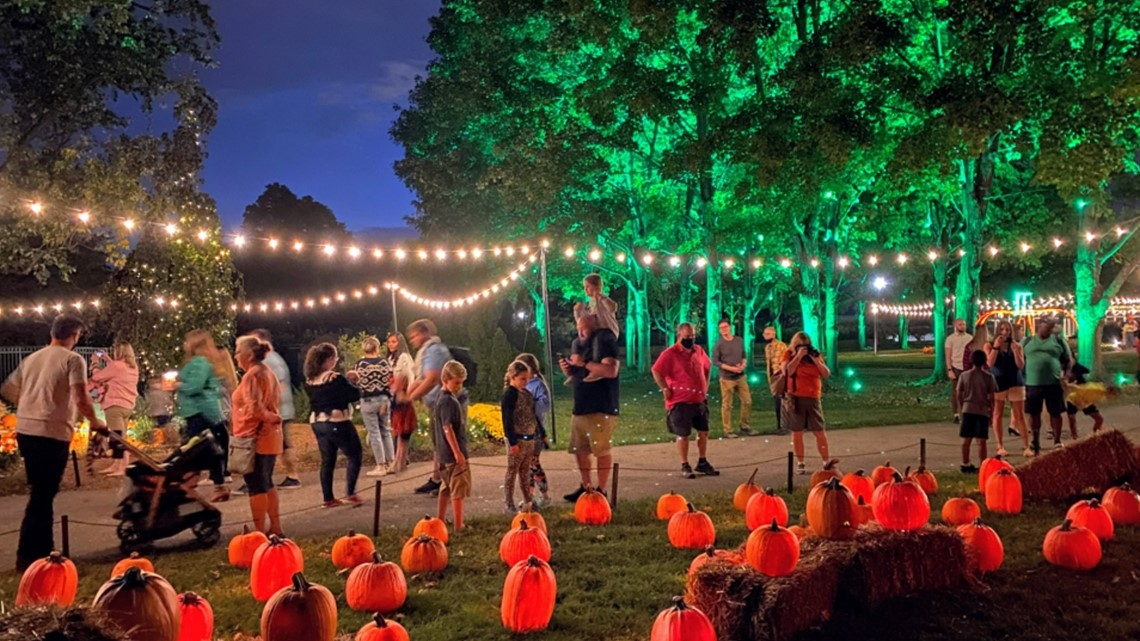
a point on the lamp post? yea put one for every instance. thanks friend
(879, 284)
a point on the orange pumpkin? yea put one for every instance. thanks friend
(901, 504)
(243, 546)
(828, 472)
(593, 508)
(866, 512)
(763, 507)
(772, 550)
(432, 527)
(302, 611)
(274, 565)
(132, 561)
(989, 467)
(197, 618)
(860, 484)
(960, 511)
(745, 491)
(682, 623)
(518, 544)
(669, 504)
(691, 530)
(713, 554)
(378, 586)
(926, 480)
(1003, 493)
(52, 580)
(1092, 516)
(831, 511)
(801, 532)
(1072, 547)
(8, 421)
(528, 596)
(983, 545)
(381, 629)
(1122, 504)
(423, 554)
(883, 473)
(351, 550)
(532, 518)
(141, 602)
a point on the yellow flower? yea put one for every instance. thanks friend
(488, 417)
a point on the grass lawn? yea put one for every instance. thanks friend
(614, 579)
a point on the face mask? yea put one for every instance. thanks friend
(687, 343)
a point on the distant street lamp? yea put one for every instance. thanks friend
(879, 283)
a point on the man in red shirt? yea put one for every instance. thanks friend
(682, 373)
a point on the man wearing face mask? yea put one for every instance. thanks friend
(682, 373)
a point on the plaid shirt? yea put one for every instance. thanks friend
(774, 356)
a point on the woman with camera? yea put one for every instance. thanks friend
(804, 373)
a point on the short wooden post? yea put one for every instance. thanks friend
(75, 469)
(65, 534)
(376, 511)
(922, 452)
(614, 488)
(791, 472)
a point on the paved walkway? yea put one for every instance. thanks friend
(645, 471)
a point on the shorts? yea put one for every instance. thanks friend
(686, 417)
(974, 426)
(592, 433)
(1051, 396)
(1012, 394)
(456, 480)
(260, 480)
(1089, 411)
(802, 413)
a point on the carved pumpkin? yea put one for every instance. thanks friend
(1003, 493)
(960, 511)
(682, 623)
(52, 580)
(1122, 504)
(860, 484)
(532, 518)
(713, 554)
(274, 565)
(528, 596)
(1092, 516)
(983, 545)
(378, 586)
(592, 508)
(828, 472)
(381, 629)
(901, 504)
(989, 467)
(745, 491)
(866, 512)
(423, 554)
(141, 602)
(302, 611)
(883, 473)
(691, 530)
(243, 546)
(926, 480)
(197, 618)
(1072, 547)
(669, 504)
(831, 511)
(351, 550)
(132, 561)
(763, 507)
(772, 550)
(432, 527)
(518, 544)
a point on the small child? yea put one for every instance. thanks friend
(537, 387)
(520, 426)
(976, 389)
(449, 421)
(159, 406)
(600, 306)
(1083, 395)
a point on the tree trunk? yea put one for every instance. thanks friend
(685, 296)
(1090, 304)
(631, 320)
(643, 329)
(904, 332)
(831, 323)
(862, 325)
(975, 179)
(539, 321)
(940, 290)
(712, 297)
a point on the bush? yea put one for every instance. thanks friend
(485, 421)
(301, 404)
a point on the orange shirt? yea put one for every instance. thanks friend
(805, 382)
(255, 409)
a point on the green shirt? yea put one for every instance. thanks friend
(1043, 359)
(198, 390)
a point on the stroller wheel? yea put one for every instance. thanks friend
(207, 533)
(130, 537)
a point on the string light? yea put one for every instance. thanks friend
(202, 234)
(129, 224)
(843, 262)
(171, 229)
(21, 309)
(729, 263)
(298, 245)
(84, 217)
(932, 255)
(1025, 247)
(785, 263)
(675, 261)
(1057, 242)
(872, 260)
(239, 241)
(901, 259)
(993, 250)
(702, 261)
(354, 252)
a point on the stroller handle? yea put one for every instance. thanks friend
(138, 453)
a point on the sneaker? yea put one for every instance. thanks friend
(352, 501)
(391, 470)
(687, 472)
(745, 430)
(1001, 452)
(1013, 432)
(704, 467)
(509, 508)
(1058, 445)
(379, 470)
(957, 419)
(573, 496)
(781, 432)
(429, 487)
(731, 435)
(435, 492)
(331, 504)
(244, 489)
(801, 469)
(968, 469)
(221, 494)
(290, 483)
(1029, 453)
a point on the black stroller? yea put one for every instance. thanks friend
(161, 501)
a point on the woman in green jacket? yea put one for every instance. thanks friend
(199, 397)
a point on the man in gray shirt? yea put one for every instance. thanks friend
(728, 357)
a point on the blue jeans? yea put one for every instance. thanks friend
(333, 436)
(375, 411)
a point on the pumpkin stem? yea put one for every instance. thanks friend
(523, 526)
(1094, 503)
(134, 555)
(710, 551)
(300, 584)
(860, 472)
(1126, 487)
(133, 577)
(533, 561)
(351, 532)
(245, 529)
(379, 620)
(898, 477)
(833, 483)
(770, 492)
(190, 598)
(906, 472)
(775, 525)
(752, 477)
(977, 520)
(376, 558)
(691, 508)
(679, 603)
(56, 556)
(274, 539)
(830, 464)
(1067, 525)
(862, 503)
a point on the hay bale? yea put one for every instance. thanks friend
(728, 595)
(806, 598)
(1096, 462)
(53, 624)
(889, 564)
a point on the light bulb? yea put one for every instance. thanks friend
(84, 217)
(354, 252)
(239, 240)
(129, 224)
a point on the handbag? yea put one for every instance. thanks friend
(778, 382)
(242, 451)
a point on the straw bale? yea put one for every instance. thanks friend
(72, 624)
(891, 564)
(1094, 463)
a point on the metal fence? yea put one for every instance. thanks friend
(10, 357)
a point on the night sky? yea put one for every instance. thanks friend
(306, 92)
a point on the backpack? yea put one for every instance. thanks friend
(463, 355)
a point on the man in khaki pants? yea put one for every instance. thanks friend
(728, 356)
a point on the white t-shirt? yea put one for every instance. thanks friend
(956, 344)
(44, 378)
